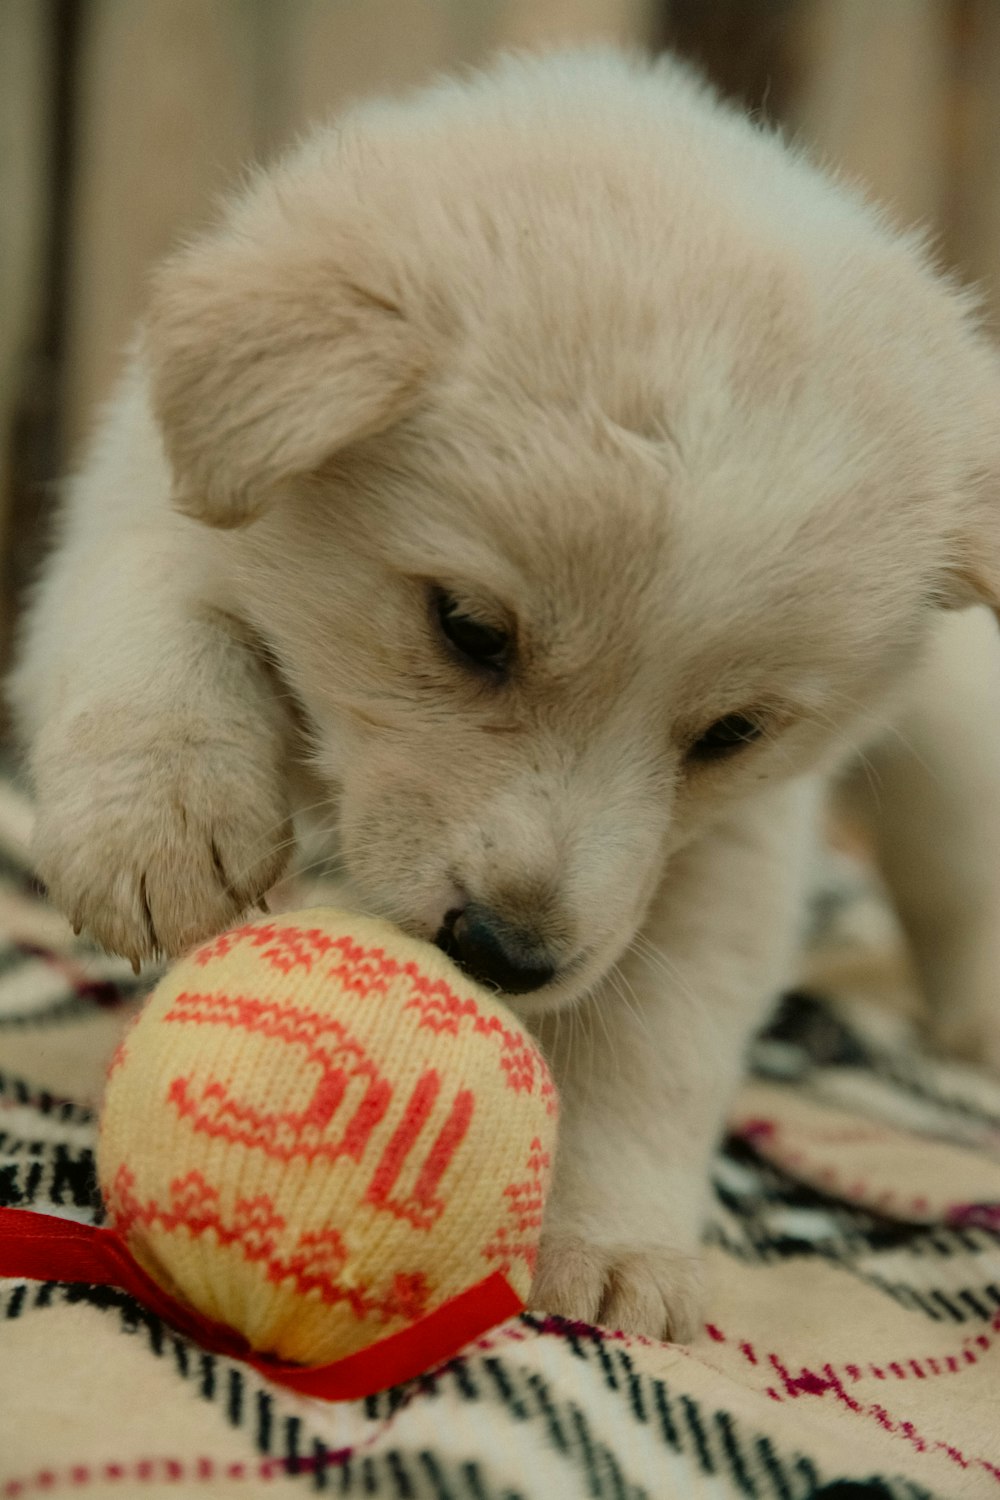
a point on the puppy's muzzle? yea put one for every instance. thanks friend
(494, 952)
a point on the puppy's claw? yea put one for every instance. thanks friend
(136, 965)
(262, 903)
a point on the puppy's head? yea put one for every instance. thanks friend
(605, 466)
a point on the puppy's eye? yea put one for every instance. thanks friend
(479, 642)
(725, 737)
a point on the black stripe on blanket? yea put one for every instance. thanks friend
(14, 1090)
(712, 1442)
(753, 1225)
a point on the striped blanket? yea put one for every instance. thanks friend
(853, 1341)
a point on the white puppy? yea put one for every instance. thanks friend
(565, 476)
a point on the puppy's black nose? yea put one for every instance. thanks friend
(493, 952)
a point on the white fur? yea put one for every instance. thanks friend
(612, 365)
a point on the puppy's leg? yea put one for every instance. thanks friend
(934, 805)
(155, 742)
(648, 1066)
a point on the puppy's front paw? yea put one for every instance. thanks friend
(153, 842)
(649, 1290)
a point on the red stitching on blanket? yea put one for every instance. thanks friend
(103, 992)
(809, 1383)
(829, 1381)
(155, 1470)
(759, 1131)
(953, 1362)
(763, 1127)
(974, 1215)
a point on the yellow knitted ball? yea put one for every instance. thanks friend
(318, 1131)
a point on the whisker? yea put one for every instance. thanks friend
(887, 727)
(647, 951)
(635, 1008)
(629, 999)
(597, 1008)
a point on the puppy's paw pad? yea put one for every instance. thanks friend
(651, 1291)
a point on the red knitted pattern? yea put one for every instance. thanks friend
(313, 1261)
(517, 1238)
(368, 972)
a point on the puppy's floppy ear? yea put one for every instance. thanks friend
(268, 353)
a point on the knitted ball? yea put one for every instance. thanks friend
(318, 1131)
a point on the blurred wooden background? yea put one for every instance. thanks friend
(121, 119)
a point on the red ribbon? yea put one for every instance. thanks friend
(44, 1247)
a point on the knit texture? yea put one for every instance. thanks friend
(318, 1131)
